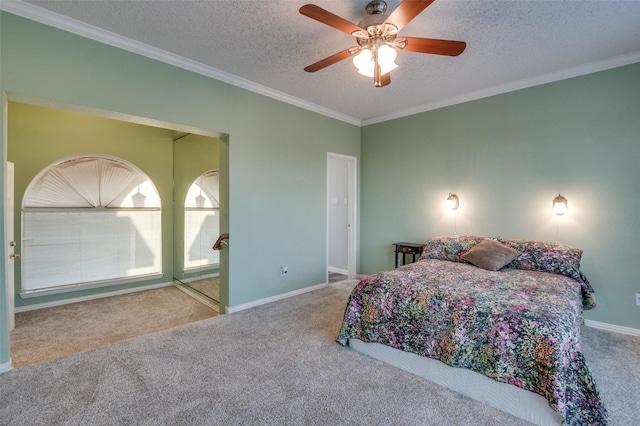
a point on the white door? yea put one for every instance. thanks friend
(10, 244)
(341, 226)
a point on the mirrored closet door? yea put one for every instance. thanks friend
(196, 211)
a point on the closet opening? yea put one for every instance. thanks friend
(120, 174)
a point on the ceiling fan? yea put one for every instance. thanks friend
(378, 40)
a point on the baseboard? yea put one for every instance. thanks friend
(71, 288)
(92, 297)
(612, 327)
(338, 270)
(5, 367)
(242, 307)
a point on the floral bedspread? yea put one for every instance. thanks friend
(514, 326)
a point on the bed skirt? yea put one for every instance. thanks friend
(505, 397)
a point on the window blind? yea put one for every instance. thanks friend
(89, 219)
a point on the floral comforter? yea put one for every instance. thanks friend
(514, 326)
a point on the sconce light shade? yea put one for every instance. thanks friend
(559, 205)
(453, 202)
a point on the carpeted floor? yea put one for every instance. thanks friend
(63, 330)
(335, 277)
(276, 364)
(210, 287)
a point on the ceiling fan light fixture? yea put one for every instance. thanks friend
(377, 40)
(388, 68)
(386, 59)
(363, 60)
(386, 56)
(367, 72)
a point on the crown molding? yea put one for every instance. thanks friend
(609, 63)
(82, 29)
(91, 32)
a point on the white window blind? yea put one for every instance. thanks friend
(202, 221)
(88, 220)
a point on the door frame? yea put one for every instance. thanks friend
(352, 184)
(10, 245)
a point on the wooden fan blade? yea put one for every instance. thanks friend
(385, 79)
(330, 60)
(434, 46)
(406, 11)
(328, 18)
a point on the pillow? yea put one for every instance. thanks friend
(555, 258)
(542, 256)
(490, 255)
(449, 247)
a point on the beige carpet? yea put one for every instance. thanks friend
(210, 287)
(274, 364)
(62, 330)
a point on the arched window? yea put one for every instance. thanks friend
(202, 222)
(89, 220)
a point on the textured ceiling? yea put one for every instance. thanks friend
(266, 45)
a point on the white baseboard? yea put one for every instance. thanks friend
(5, 367)
(92, 297)
(612, 327)
(242, 307)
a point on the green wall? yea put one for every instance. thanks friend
(507, 157)
(276, 166)
(277, 209)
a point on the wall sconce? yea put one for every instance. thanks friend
(453, 202)
(559, 205)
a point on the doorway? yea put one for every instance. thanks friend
(145, 141)
(341, 216)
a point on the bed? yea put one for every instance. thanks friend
(497, 320)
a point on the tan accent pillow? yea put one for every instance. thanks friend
(490, 255)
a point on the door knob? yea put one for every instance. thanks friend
(14, 255)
